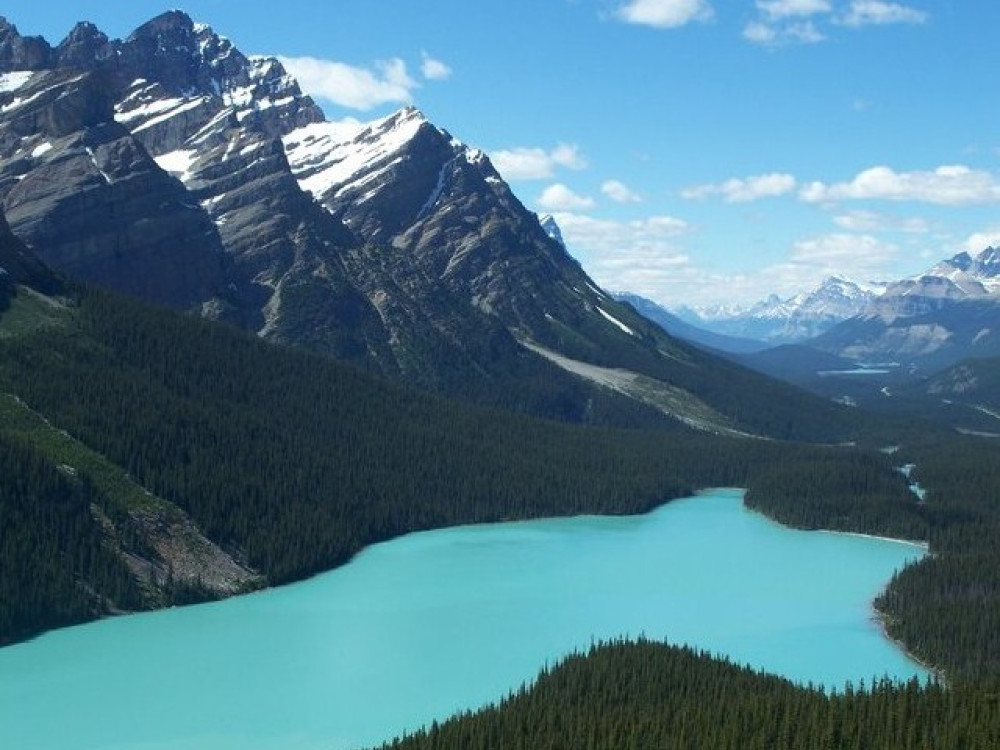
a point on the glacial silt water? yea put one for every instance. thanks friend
(423, 626)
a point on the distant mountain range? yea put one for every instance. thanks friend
(949, 313)
(778, 320)
(681, 328)
(171, 166)
(930, 321)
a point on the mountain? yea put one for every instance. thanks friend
(19, 266)
(675, 326)
(171, 166)
(790, 320)
(947, 314)
(548, 222)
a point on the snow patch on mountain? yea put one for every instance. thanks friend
(612, 319)
(178, 163)
(327, 156)
(791, 319)
(14, 80)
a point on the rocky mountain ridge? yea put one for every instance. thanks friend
(949, 313)
(173, 167)
(777, 320)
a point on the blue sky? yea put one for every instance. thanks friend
(693, 151)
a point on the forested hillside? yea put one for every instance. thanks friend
(946, 608)
(627, 696)
(291, 462)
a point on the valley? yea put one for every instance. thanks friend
(245, 348)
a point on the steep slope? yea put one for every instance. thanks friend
(171, 166)
(78, 186)
(194, 456)
(19, 266)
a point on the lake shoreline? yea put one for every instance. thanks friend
(435, 623)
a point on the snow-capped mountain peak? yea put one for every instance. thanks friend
(331, 158)
(801, 316)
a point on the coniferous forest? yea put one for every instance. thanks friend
(293, 463)
(625, 696)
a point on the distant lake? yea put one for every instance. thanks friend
(432, 623)
(856, 371)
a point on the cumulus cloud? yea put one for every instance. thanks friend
(433, 70)
(950, 185)
(844, 251)
(654, 233)
(664, 14)
(798, 21)
(871, 221)
(760, 32)
(776, 9)
(979, 241)
(786, 21)
(558, 197)
(642, 256)
(385, 82)
(536, 163)
(620, 192)
(878, 13)
(813, 259)
(651, 257)
(744, 190)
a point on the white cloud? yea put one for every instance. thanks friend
(664, 14)
(350, 86)
(870, 221)
(844, 253)
(536, 163)
(760, 33)
(877, 12)
(950, 185)
(776, 9)
(620, 192)
(781, 22)
(737, 190)
(804, 32)
(558, 197)
(813, 259)
(654, 233)
(433, 70)
(791, 21)
(642, 256)
(979, 241)
(649, 257)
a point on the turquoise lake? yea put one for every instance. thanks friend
(432, 623)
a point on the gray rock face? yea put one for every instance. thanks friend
(20, 266)
(22, 53)
(449, 218)
(79, 190)
(949, 313)
(172, 166)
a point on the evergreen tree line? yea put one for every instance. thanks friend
(634, 696)
(946, 608)
(54, 566)
(296, 462)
